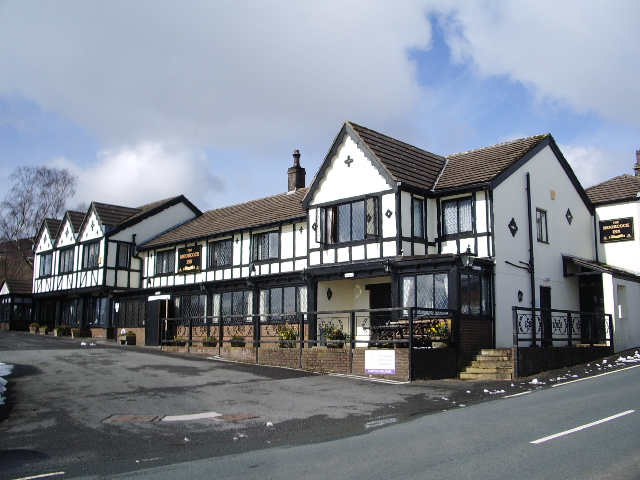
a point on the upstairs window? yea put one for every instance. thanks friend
(91, 255)
(220, 253)
(457, 216)
(266, 246)
(348, 222)
(165, 262)
(541, 225)
(66, 260)
(417, 215)
(46, 261)
(123, 256)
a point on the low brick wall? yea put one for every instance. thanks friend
(475, 334)
(434, 363)
(533, 360)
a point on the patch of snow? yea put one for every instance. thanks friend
(84, 344)
(5, 370)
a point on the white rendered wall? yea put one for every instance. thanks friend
(510, 201)
(625, 254)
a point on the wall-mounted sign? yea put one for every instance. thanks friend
(381, 362)
(618, 230)
(189, 259)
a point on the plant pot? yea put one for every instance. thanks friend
(210, 343)
(33, 329)
(44, 331)
(176, 343)
(130, 339)
(238, 343)
(438, 344)
(287, 345)
(335, 345)
(58, 332)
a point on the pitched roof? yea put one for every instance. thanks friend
(255, 213)
(112, 215)
(18, 287)
(484, 164)
(405, 163)
(622, 188)
(52, 225)
(76, 219)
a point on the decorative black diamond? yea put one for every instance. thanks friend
(301, 229)
(66, 233)
(237, 240)
(569, 216)
(388, 213)
(513, 227)
(92, 225)
(314, 227)
(369, 218)
(348, 161)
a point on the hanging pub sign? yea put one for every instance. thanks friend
(618, 230)
(189, 259)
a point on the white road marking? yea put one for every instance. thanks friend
(577, 429)
(369, 379)
(518, 394)
(594, 376)
(44, 475)
(194, 416)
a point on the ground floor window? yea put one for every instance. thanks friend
(97, 311)
(233, 303)
(72, 312)
(190, 306)
(132, 313)
(475, 295)
(426, 291)
(285, 300)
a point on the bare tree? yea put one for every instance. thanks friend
(37, 193)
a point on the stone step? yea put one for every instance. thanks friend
(492, 363)
(473, 369)
(491, 352)
(495, 358)
(485, 376)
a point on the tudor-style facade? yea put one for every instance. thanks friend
(83, 258)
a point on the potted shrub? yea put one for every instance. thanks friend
(209, 341)
(76, 333)
(67, 329)
(60, 331)
(335, 337)
(440, 335)
(177, 342)
(33, 328)
(130, 338)
(238, 340)
(287, 337)
(44, 329)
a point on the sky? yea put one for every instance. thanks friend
(145, 100)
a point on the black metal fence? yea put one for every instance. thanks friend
(383, 328)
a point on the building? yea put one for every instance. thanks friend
(84, 258)
(16, 273)
(490, 246)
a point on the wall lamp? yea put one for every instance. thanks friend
(329, 294)
(520, 295)
(467, 257)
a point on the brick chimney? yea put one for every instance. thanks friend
(636, 167)
(296, 173)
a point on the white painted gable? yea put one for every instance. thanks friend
(44, 242)
(5, 289)
(350, 174)
(92, 229)
(66, 236)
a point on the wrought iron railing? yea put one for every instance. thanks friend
(550, 327)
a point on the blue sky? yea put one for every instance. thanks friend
(144, 100)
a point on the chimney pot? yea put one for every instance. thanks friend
(636, 167)
(296, 173)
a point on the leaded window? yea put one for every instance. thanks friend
(46, 261)
(283, 300)
(165, 262)
(417, 213)
(457, 216)
(430, 291)
(475, 295)
(541, 225)
(233, 303)
(220, 253)
(266, 246)
(91, 253)
(132, 313)
(66, 260)
(348, 222)
(191, 306)
(71, 310)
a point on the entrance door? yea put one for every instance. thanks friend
(545, 314)
(155, 311)
(379, 297)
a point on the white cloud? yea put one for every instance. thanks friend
(593, 165)
(144, 173)
(582, 54)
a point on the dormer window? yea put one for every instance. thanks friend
(66, 260)
(348, 222)
(46, 261)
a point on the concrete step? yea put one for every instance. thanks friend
(492, 363)
(473, 369)
(485, 376)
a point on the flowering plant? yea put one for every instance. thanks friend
(287, 333)
(440, 329)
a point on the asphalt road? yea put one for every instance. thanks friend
(102, 410)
